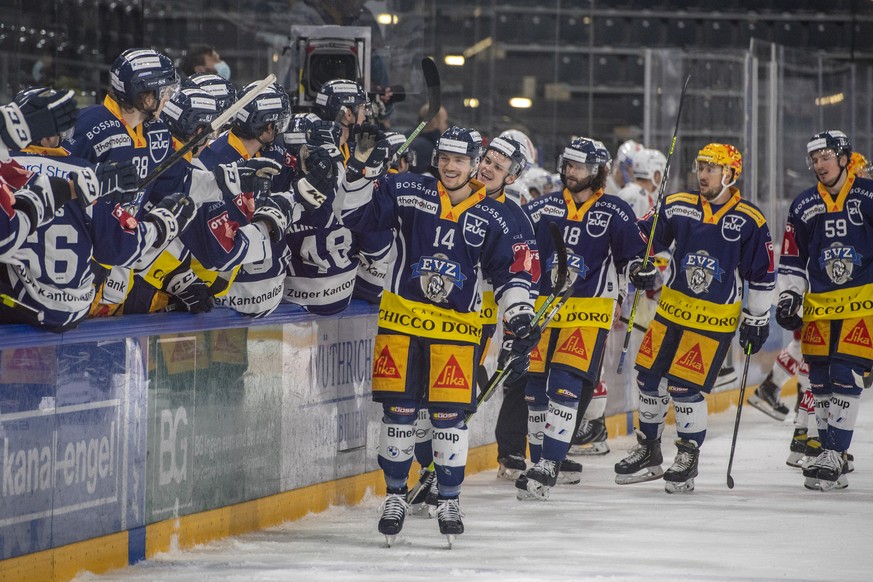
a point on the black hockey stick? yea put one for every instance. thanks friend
(434, 102)
(204, 132)
(487, 386)
(662, 188)
(730, 480)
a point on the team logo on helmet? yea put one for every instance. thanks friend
(597, 223)
(839, 261)
(159, 145)
(700, 269)
(474, 229)
(732, 227)
(853, 209)
(438, 276)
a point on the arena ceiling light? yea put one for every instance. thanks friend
(520, 103)
(471, 102)
(830, 99)
(386, 18)
(454, 60)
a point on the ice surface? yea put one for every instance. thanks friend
(767, 528)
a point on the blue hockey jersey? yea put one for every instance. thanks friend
(433, 286)
(826, 251)
(601, 237)
(717, 248)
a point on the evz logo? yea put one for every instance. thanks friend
(700, 269)
(838, 262)
(474, 230)
(159, 145)
(598, 222)
(732, 227)
(576, 267)
(438, 276)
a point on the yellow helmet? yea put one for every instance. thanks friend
(722, 154)
(859, 165)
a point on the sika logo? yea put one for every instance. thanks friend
(452, 376)
(575, 346)
(812, 336)
(692, 359)
(860, 335)
(646, 346)
(385, 366)
(536, 355)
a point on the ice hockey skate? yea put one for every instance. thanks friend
(570, 472)
(766, 399)
(813, 449)
(418, 503)
(827, 472)
(537, 482)
(590, 439)
(797, 448)
(432, 500)
(511, 467)
(449, 518)
(393, 514)
(679, 478)
(643, 462)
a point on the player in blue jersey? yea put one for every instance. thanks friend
(52, 271)
(426, 351)
(602, 240)
(826, 289)
(720, 242)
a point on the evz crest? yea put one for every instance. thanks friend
(838, 262)
(437, 276)
(700, 269)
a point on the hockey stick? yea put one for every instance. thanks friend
(730, 480)
(204, 132)
(662, 188)
(13, 303)
(487, 386)
(432, 80)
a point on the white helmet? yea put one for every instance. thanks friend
(647, 162)
(624, 158)
(523, 139)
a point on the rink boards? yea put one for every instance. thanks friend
(119, 441)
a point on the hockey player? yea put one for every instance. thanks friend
(647, 171)
(429, 329)
(720, 242)
(599, 232)
(52, 272)
(824, 271)
(24, 209)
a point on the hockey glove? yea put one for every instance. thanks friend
(190, 292)
(790, 303)
(55, 113)
(371, 153)
(279, 212)
(319, 180)
(516, 367)
(754, 331)
(324, 133)
(86, 186)
(13, 128)
(117, 181)
(171, 216)
(41, 198)
(643, 278)
(236, 178)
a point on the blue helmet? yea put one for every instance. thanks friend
(831, 139)
(395, 140)
(139, 71)
(339, 93)
(270, 107)
(187, 110)
(588, 152)
(25, 101)
(220, 88)
(459, 140)
(512, 149)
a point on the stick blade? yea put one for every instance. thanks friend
(432, 80)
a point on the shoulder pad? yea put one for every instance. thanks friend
(756, 215)
(682, 197)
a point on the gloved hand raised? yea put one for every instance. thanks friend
(754, 331)
(787, 310)
(319, 181)
(238, 177)
(371, 153)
